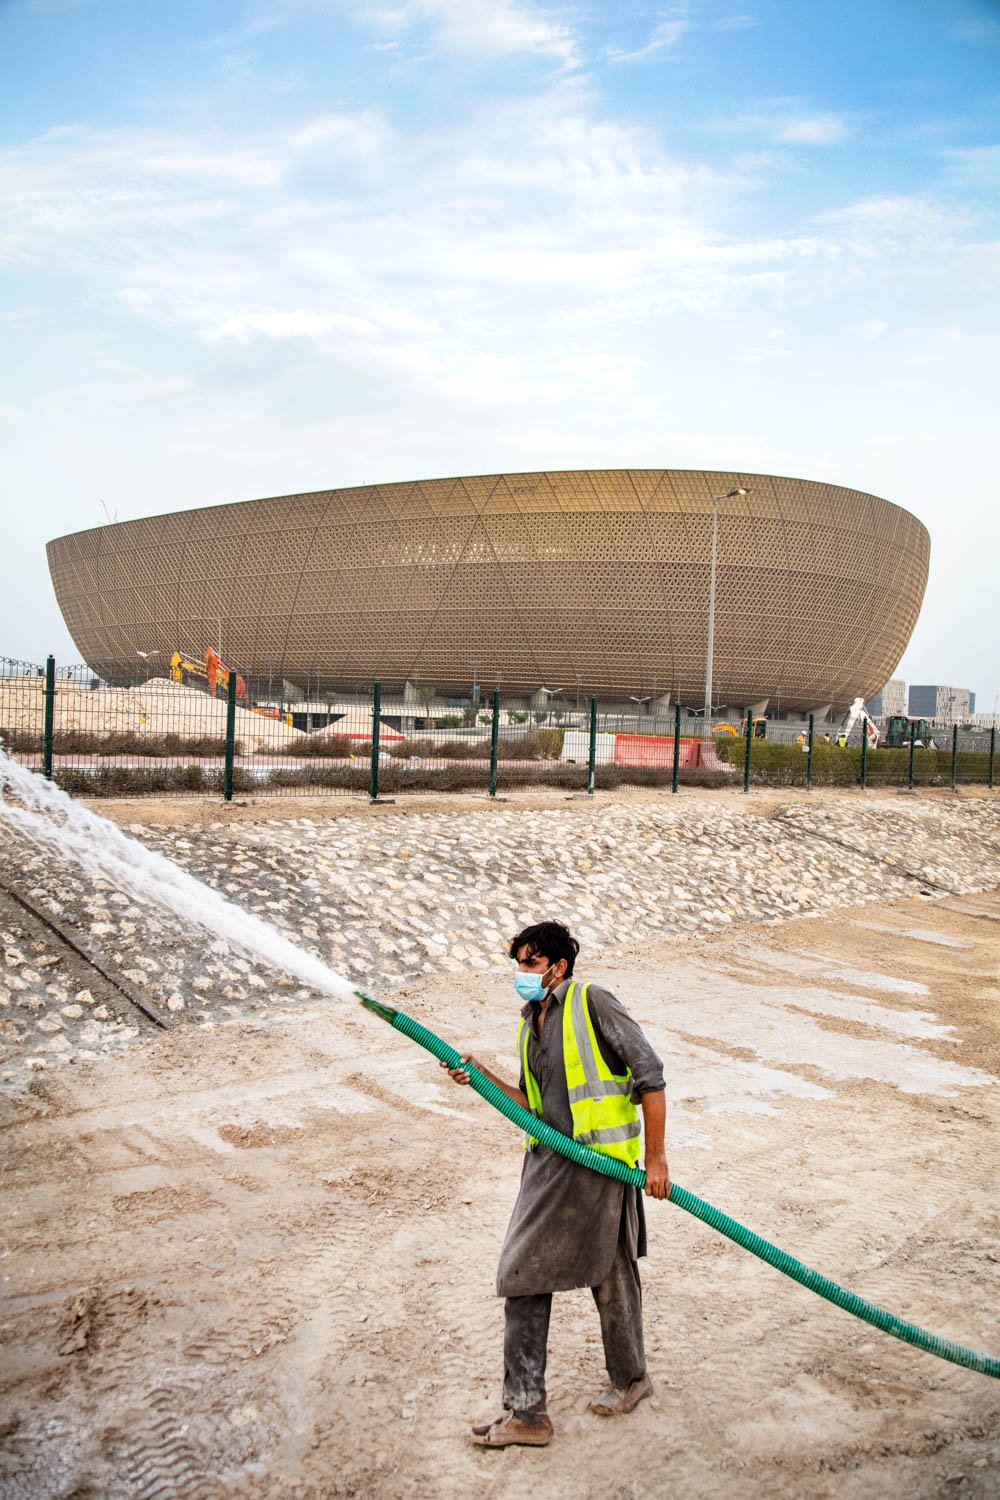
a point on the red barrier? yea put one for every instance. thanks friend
(655, 750)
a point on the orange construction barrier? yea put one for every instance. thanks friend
(655, 750)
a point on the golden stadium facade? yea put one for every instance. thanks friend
(592, 580)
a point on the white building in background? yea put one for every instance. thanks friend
(949, 705)
(890, 699)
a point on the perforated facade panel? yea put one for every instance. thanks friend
(593, 577)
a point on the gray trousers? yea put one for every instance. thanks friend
(526, 1333)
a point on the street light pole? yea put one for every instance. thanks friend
(716, 501)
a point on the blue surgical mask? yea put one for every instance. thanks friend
(530, 986)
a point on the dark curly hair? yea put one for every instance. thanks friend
(550, 939)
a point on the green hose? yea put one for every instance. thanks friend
(610, 1166)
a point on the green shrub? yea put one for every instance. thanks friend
(134, 781)
(124, 742)
(775, 764)
(21, 741)
(332, 747)
(535, 744)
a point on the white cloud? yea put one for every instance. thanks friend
(533, 221)
(894, 224)
(362, 134)
(736, 22)
(278, 324)
(783, 122)
(974, 166)
(978, 29)
(489, 28)
(664, 36)
(814, 130)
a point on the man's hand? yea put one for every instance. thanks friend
(657, 1177)
(459, 1075)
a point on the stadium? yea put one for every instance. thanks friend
(592, 580)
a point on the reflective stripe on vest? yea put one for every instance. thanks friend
(531, 1087)
(600, 1101)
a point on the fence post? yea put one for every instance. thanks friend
(954, 756)
(864, 756)
(49, 709)
(809, 752)
(677, 747)
(993, 751)
(746, 753)
(592, 755)
(227, 775)
(376, 720)
(913, 749)
(494, 741)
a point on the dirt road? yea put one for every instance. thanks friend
(258, 1260)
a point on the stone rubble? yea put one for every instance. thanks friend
(414, 895)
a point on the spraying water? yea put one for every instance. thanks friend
(54, 823)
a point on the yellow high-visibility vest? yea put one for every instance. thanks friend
(604, 1116)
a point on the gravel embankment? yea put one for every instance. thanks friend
(435, 893)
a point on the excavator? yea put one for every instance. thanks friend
(212, 670)
(897, 730)
(759, 728)
(855, 714)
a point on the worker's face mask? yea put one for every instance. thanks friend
(531, 986)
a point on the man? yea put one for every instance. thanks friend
(584, 1062)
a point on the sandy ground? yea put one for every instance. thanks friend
(157, 707)
(259, 1261)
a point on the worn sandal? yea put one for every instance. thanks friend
(614, 1402)
(508, 1430)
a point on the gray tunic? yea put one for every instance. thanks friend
(564, 1228)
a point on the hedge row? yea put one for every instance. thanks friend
(130, 781)
(776, 764)
(533, 744)
(86, 742)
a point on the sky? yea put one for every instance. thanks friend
(253, 247)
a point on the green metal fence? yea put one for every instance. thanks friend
(213, 732)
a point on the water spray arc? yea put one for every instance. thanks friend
(52, 821)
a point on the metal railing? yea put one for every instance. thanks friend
(226, 737)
